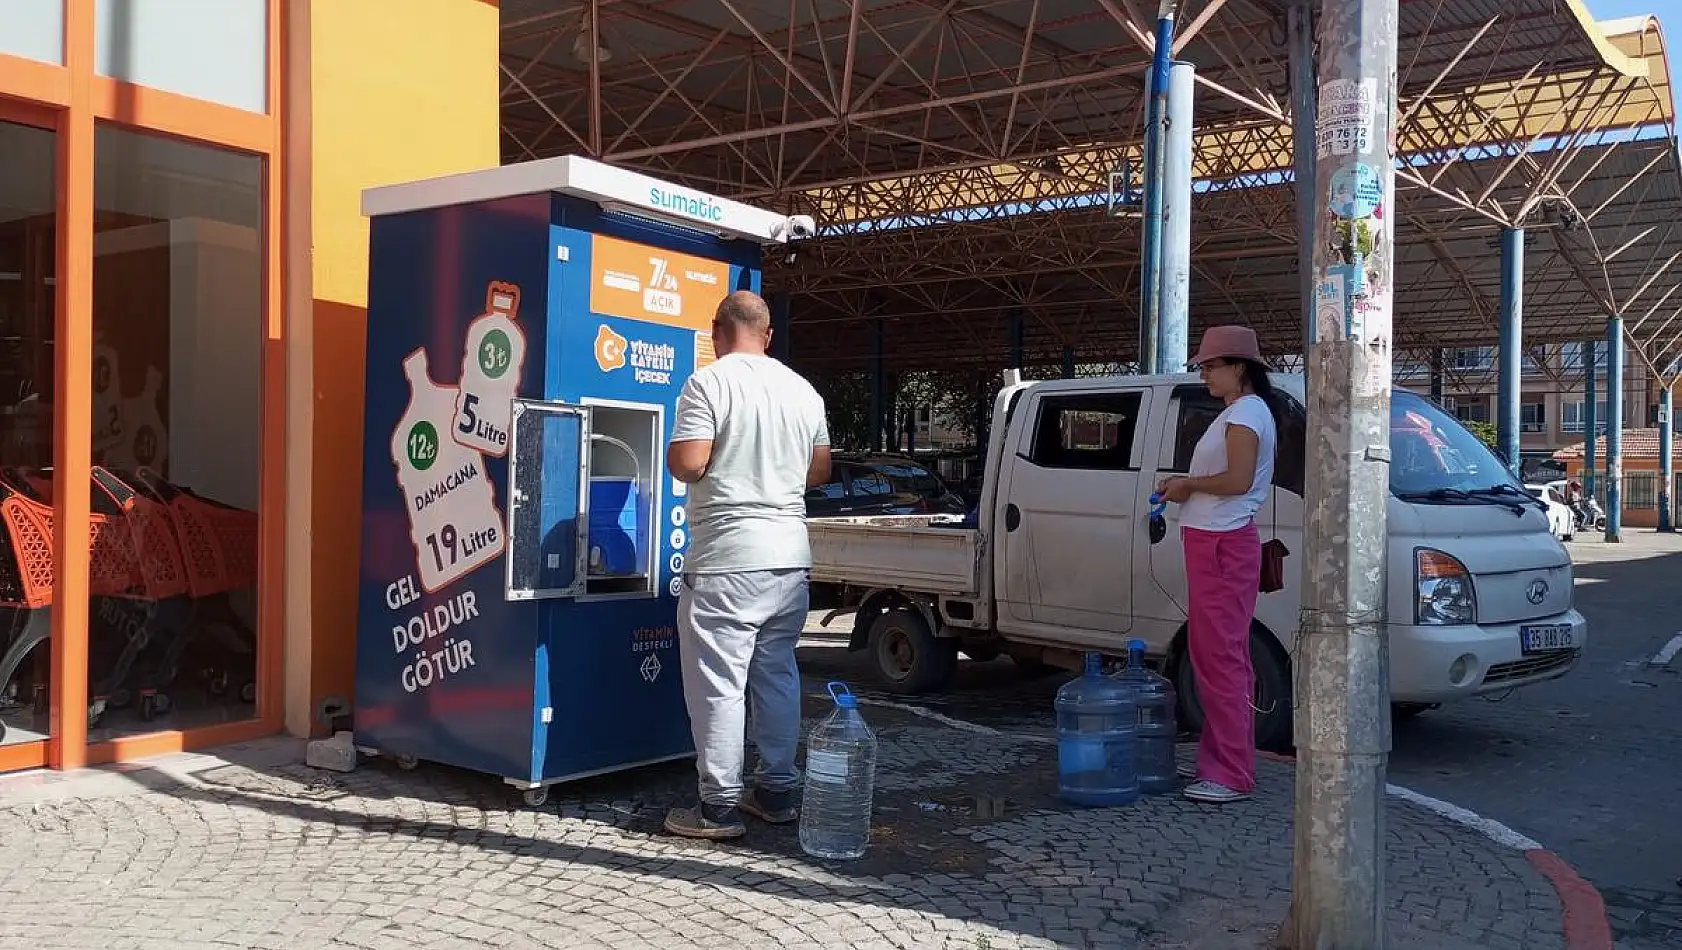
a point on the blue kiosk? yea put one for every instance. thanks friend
(529, 330)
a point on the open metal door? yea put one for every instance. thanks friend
(548, 500)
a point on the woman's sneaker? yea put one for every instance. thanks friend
(1214, 793)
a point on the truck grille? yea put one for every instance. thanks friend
(1531, 666)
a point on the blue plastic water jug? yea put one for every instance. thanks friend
(1153, 696)
(840, 782)
(1096, 724)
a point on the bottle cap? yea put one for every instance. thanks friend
(1135, 646)
(843, 697)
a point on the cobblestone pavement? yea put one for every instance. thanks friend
(251, 849)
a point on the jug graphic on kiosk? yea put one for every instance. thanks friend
(490, 373)
(453, 521)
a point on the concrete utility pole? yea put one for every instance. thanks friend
(1343, 666)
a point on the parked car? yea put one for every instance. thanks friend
(863, 485)
(1061, 560)
(1562, 521)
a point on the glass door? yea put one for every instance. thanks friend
(28, 300)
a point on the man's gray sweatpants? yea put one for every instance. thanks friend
(737, 635)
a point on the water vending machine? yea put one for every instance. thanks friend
(529, 330)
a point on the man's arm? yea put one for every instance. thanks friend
(818, 473)
(691, 450)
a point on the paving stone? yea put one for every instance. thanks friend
(253, 850)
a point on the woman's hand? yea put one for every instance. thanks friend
(1175, 489)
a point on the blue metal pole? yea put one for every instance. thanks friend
(779, 326)
(1591, 418)
(1614, 430)
(1299, 22)
(1150, 277)
(1174, 336)
(878, 388)
(1667, 447)
(1512, 347)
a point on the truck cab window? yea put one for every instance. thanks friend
(1198, 410)
(1087, 431)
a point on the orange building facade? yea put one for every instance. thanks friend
(183, 270)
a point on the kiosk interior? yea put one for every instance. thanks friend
(530, 328)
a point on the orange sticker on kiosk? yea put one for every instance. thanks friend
(705, 355)
(639, 282)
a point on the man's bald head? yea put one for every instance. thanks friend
(742, 324)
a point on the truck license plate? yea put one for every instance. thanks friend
(1543, 638)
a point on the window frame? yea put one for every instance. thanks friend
(1290, 458)
(1052, 405)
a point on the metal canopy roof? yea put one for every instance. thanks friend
(955, 150)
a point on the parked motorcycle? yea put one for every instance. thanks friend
(1590, 516)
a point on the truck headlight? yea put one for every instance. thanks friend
(1444, 586)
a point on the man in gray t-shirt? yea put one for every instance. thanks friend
(750, 438)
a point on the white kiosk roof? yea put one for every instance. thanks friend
(611, 187)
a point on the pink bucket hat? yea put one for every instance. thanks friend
(1227, 343)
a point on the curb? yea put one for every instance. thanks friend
(1585, 924)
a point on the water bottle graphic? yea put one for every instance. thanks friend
(140, 441)
(491, 365)
(453, 521)
(1154, 698)
(840, 782)
(107, 400)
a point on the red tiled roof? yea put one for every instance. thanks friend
(1638, 444)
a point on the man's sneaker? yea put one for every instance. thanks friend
(1186, 770)
(1214, 793)
(778, 808)
(712, 822)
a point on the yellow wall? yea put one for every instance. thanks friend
(397, 90)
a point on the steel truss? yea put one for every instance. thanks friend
(957, 152)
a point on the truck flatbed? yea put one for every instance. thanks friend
(931, 554)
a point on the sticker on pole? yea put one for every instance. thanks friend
(1357, 191)
(1343, 125)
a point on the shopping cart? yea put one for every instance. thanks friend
(218, 546)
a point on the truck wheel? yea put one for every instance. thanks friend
(909, 657)
(1272, 700)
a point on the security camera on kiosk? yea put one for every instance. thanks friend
(797, 228)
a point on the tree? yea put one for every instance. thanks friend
(1486, 433)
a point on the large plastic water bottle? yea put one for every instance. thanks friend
(1096, 723)
(840, 782)
(1153, 745)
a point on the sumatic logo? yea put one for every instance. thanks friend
(693, 206)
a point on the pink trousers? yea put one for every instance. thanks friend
(1223, 572)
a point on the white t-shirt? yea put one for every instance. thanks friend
(1229, 512)
(748, 513)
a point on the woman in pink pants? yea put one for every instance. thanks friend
(1231, 475)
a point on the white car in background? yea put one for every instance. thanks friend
(1561, 521)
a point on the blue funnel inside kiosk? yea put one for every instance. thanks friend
(530, 328)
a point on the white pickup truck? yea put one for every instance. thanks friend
(1059, 560)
